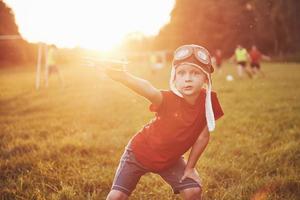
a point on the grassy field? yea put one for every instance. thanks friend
(66, 143)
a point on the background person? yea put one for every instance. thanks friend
(51, 65)
(218, 60)
(255, 57)
(241, 58)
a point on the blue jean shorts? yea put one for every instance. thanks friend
(130, 171)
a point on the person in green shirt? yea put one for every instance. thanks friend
(241, 58)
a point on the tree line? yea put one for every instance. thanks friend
(272, 25)
(13, 51)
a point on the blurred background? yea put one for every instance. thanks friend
(64, 128)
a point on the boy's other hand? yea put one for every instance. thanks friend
(191, 173)
(115, 69)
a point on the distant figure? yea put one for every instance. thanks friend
(241, 57)
(51, 65)
(255, 57)
(218, 60)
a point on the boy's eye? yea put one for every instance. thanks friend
(180, 72)
(196, 73)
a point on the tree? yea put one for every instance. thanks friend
(13, 51)
(272, 25)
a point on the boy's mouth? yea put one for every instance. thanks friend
(188, 88)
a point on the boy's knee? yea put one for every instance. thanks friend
(116, 195)
(192, 193)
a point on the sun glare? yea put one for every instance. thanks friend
(94, 24)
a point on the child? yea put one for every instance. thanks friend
(51, 66)
(218, 60)
(255, 57)
(184, 117)
(241, 57)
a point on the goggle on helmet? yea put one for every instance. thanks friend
(195, 55)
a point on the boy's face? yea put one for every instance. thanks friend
(189, 80)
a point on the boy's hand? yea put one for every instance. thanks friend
(115, 69)
(191, 173)
(115, 74)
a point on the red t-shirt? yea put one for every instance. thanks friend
(173, 131)
(255, 56)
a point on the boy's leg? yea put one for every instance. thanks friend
(127, 176)
(259, 71)
(254, 72)
(253, 68)
(188, 188)
(240, 70)
(243, 68)
(248, 71)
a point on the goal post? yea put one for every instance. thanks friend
(38, 66)
(42, 53)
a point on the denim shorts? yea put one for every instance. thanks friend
(130, 171)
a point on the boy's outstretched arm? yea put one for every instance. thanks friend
(195, 153)
(138, 85)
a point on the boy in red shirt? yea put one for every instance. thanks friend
(185, 115)
(218, 59)
(255, 57)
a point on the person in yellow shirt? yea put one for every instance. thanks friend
(51, 65)
(241, 58)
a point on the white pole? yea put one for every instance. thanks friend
(38, 67)
(46, 66)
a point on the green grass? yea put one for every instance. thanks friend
(66, 143)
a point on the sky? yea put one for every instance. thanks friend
(94, 24)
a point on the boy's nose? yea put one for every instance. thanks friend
(188, 77)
